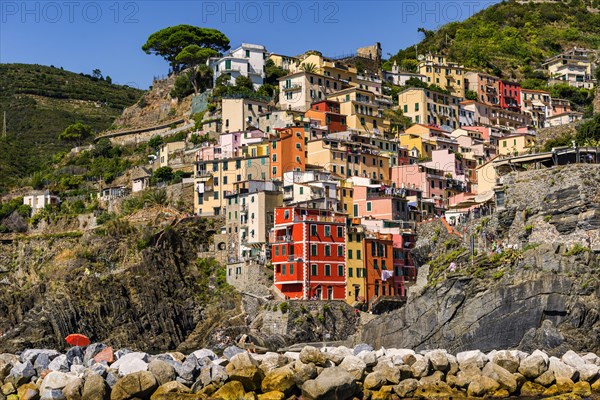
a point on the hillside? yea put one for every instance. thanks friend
(511, 38)
(40, 102)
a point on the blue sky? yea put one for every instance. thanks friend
(83, 35)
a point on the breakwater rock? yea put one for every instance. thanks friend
(98, 372)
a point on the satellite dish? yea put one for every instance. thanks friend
(420, 57)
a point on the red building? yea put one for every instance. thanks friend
(405, 272)
(510, 96)
(327, 113)
(309, 253)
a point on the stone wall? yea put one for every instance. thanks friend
(250, 278)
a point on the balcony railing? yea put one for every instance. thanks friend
(294, 86)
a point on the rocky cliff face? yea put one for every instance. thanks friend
(115, 288)
(543, 294)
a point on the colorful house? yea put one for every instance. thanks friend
(309, 253)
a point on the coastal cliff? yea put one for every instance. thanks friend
(542, 291)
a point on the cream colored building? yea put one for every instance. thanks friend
(299, 90)
(166, 150)
(573, 67)
(241, 114)
(515, 145)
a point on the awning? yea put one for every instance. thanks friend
(203, 178)
(484, 197)
(538, 103)
(463, 204)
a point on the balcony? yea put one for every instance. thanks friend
(204, 174)
(294, 86)
(281, 239)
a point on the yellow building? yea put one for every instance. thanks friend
(515, 145)
(346, 196)
(447, 75)
(339, 154)
(285, 62)
(415, 141)
(355, 265)
(240, 114)
(486, 177)
(216, 179)
(426, 106)
(362, 109)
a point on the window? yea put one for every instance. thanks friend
(216, 195)
(247, 53)
(313, 250)
(327, 231)
(369, 206)
(216, 181)
(274, 171)
(340, 270)
(327, 270)
(349, 272)
(383, 264)
(274, 157)
(283, 269)
(224, 180)
(375, 264)
(373, 249)
(301, 190)
(416, 106)
(313, 230)
(314, 270)
(276, 250)
(227, 64)
(358, 254)
(349, 254)
(291, 269)
(340, 251)
(283, 250)
(327, 250)
(340, 231)
(504, 143)
(286, 214)
(359, 273)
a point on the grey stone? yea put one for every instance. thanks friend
(270, 361)
(354, 366)
(56, 380)
(42, 361)
(91, 351)
(74, 352)
(162, 371)
(331, 384)
(368, 357)
(60, 363)
(482, 386)
(406, 388)
(438, 359)
(31, 354)
(421, 367)
(304, 372)
(533, 366)
(111, 378)
(53, 394)
(137, 385)
(313, 355)
(507, 360)
(474, 357)
(231, 351)
(504, 377)
(20, 373)
(362, 347)
(202, 353)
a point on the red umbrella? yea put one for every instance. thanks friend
(78, 340)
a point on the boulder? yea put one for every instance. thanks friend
(374, 381)
(73, 390)
(213, 374)
(420, 368)
(591, 358)
(304, 372)
(362, 347)
(564, 385)
(533, 366)
(331, 384)
(21, 373)
(31, 354)
(313, 355)
(242, 360)
(560, 369)
(505, 379)
(274, 395)
(230, 391)
(95, 388)
(368, 357)
(587, 372)
(42, 361)
(229, 352)
(507, 360)
(135, 385)
(393, 375)
(582, 389)
(60, 363)
(7, 361)
(354, 366)
(438, 360)
(270, 361)
(437, 390)
(546, 379)
(7, 388)
(30, 391)
(162, 371)
(106, 354)
(482, 387)
(437, 376)
(131, 363)
(91, 351)
(170, 387)
(473, 357)
(406, 388)
(57, 380)
(279, 379)
(205, 353)
(75, 355)
(532, 389)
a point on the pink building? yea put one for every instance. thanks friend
(430, 181)
(380, 202)
(231, 142)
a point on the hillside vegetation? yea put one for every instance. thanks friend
(512, 39)
(40, 102)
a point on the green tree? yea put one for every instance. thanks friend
(97, 73)
(308, 68)
(155, 142)
(163, 174)
(108, 79)
(194, 57)
(76, 132)
(273, 73)
(471, 95)
(398, 121)
(244, 82)
(170, 42)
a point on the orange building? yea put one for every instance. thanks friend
(327, 113)
(288, 151)
(379, 265)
